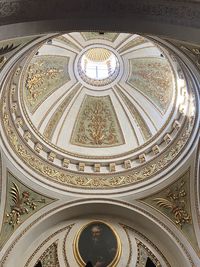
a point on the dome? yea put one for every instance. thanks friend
(99, 112)
(88, 121)
(99, 133)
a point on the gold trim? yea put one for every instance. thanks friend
(68, 228)
(140, 236)
(115, 201)
(70, 154)
(76, 241)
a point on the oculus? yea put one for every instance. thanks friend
(98, 66)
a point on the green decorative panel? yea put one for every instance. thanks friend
(45, 74)
(139, 40)
(97, 124)
(108, 36)
(21, 203)
(174, 203)
(9, 47)
(154, 78)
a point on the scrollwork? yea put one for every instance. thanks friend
(175, 201)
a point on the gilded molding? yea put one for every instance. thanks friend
(85, 181)
(146, 213)
(66, 228)
(143, 253)
(73, 154)
(140, 243)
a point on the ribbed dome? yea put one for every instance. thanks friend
(99, 131)
(98, 54)
(101, 121)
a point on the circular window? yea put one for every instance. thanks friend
(98, 66)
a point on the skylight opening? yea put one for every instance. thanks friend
(99, 64)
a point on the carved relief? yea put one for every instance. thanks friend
(21, 203)
(45, 75)
(154, 78)
(139, 174)
(97, 124)
(174, 203)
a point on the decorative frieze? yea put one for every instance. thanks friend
(38, 147)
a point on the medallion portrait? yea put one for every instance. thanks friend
(98, 244)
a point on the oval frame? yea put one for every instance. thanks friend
(77, 238)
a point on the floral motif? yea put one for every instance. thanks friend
(22, 203)
(154, 78)
(97, 124)
(175, 201)
(45, 74)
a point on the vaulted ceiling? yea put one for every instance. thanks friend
(99, 127)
